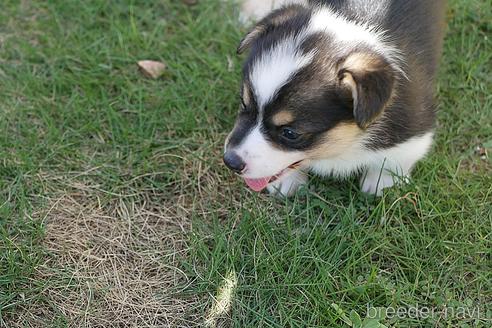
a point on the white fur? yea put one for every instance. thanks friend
(274, 69)
(380, 168)
(373, 181)
(262, 159)
(289, 184)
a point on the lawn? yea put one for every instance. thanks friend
(115, 208)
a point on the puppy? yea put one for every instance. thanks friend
(337, 87)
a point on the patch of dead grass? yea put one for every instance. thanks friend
(113, 264)
(113, 257)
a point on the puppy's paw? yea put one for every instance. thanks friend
(374, 181)
(288, 185)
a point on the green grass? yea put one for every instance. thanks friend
(77, 118)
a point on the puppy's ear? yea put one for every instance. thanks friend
(371, 79)
(267, 24)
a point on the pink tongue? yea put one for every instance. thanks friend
(257, 184)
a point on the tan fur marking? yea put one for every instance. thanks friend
(336, 141)
(283, 118)
(349, 81)
(362, 62)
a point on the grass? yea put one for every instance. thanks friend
(116, 211)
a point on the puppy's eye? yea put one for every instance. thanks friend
(289, 134)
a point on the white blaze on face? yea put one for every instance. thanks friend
(262, 159)
(274, 68)
(268, 74)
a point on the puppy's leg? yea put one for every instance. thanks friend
(288, 185)
(376, 178)
(394, 165)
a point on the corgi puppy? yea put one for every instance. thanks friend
(336, 87)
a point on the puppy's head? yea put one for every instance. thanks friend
(312, 83)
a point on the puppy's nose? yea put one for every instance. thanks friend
(233, 161)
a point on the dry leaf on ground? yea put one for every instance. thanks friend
(151, 68)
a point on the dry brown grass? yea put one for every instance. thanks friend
(114, 260)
